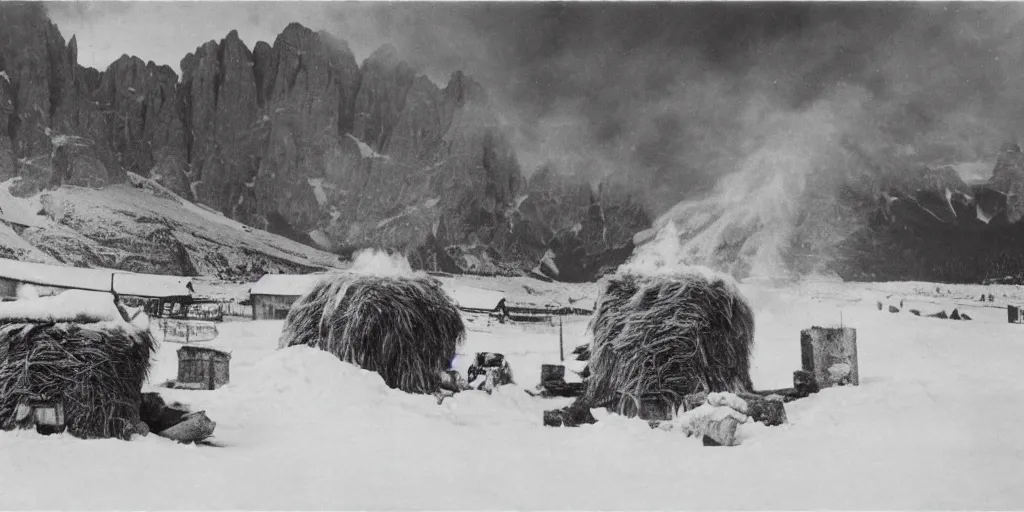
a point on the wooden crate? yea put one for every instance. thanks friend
(1013, 314)
(552, 373)
(202, 368)
(829, 354)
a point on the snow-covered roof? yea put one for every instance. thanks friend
(286, 285)
(97, 305)
(471, 297)
(94, 279)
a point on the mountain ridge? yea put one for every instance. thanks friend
(293, 137)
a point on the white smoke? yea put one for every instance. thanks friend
(745, 226)
(660, 257)
(380, 263)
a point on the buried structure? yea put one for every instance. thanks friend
(62, 369)
(404, 328)
(659, 338)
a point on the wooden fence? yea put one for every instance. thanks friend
(527, 314)
(186, 331)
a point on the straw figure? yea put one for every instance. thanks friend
(92, 368)
(657, 338)
(405, 328)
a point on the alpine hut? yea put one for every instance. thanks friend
(273, 295)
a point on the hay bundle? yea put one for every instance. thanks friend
(95, 369)
(404, 328)
(659, 338)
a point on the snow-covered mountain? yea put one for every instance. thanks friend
(293, 137)
(141, 226)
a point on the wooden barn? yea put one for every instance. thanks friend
(273, 295)
(54, 279)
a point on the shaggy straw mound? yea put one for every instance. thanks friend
(659, 338)
(96, 370)
(404, 328)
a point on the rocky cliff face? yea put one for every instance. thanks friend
(938, 228)
(299, 139)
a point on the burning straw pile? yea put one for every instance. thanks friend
(94, 368)
(658, 338)
(404, 328)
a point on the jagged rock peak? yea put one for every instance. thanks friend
(295, 27)
(463, 89)
(126, 60)
(293, 36)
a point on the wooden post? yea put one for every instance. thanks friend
(830, 355)
(561, 346)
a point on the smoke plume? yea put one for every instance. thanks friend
(730, 118)
(380, 263)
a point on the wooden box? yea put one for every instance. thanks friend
(48, 417)
(1013, 314)
(202, 368)
(552, 374)
(829, 354)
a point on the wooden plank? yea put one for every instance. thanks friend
(571, 416)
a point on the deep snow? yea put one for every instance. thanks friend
(934, 424)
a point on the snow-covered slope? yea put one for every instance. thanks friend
(936, 407)
(141, 226)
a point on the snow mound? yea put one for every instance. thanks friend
(312, 381)
(315, 373)
(19, 210)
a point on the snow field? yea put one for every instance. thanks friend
(934, 424)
